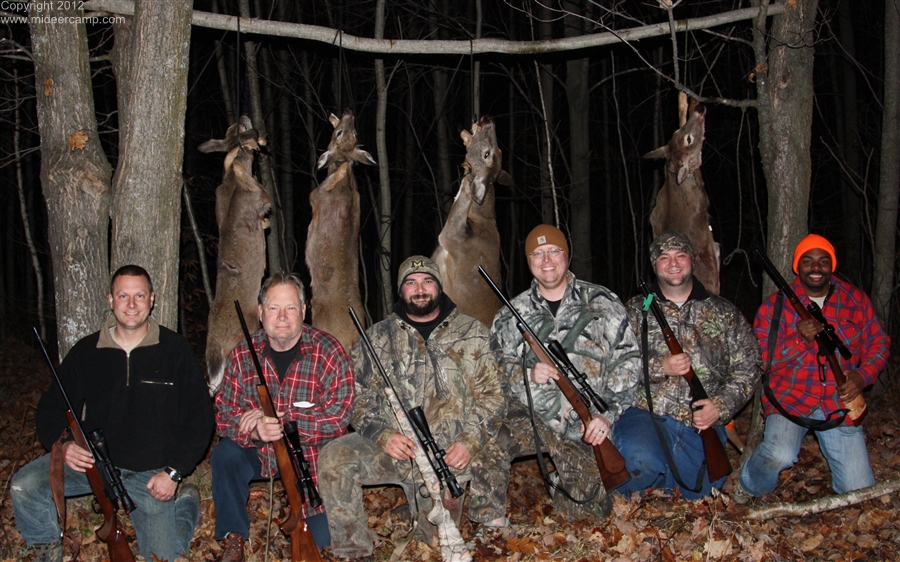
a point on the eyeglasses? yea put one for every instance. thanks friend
(539, 254)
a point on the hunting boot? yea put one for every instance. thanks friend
(232, 548)
(48, 552)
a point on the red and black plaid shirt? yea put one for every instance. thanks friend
(321, 374)
(794, 374)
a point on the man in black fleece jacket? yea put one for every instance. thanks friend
(142, 385)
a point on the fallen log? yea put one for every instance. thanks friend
(785, 509)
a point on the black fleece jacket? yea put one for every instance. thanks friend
(152, 404)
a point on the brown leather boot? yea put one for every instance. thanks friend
(232, 548)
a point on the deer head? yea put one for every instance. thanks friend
(483, 158)
(240, 135)
(683, 151)
(343, 147)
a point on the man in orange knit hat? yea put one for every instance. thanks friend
(802, 392)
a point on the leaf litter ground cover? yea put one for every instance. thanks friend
(654, 526)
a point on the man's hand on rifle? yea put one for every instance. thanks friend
(400, 447)
(809, 328)
(457, 456)
(161, 486)
(261, 427)
(76, 458)
(597, 430)
(541, 373)
(705, 414)
(676, 365)
(852, 387)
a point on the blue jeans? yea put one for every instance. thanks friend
(233, 468)
(844, 447)
(637, 440)
(164, 529)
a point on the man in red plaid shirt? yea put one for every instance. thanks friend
(310, 380)
(802, 382)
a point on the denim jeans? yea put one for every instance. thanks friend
(233, 468)
(164, 529)
(637, 440)
(844, 447)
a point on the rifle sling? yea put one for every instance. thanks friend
(701, 472)
(538, 449)
(808, 423)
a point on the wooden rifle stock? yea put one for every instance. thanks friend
(610, 461)
(110, 532)
(826, 339)
(303, 546)
(717, 463)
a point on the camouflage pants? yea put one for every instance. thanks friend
(576, 471)
(352, 461)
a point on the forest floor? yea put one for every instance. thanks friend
(655, 526)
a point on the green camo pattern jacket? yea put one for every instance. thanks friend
(453, 376)
(592, 326)
(724, 354)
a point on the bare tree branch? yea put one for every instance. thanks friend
(783, 509)
(463, 47)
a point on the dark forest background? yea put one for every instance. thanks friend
(630, 110)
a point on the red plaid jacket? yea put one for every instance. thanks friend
(794, 374)
(322, 374)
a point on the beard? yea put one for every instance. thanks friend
(415, 309)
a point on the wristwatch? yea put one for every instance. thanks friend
(174, 474)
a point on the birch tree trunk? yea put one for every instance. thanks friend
(74, 176)
(146, 224)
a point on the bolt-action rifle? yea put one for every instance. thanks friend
(103, 476)
(827, 339)
(610, 462)
(294, 469)
(717, 464)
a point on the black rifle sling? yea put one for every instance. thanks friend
(701, 472)
(809, 423)
(538, 447)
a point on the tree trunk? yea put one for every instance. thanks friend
(74, 176)
(286, 182)
(785, 95)
(889, 180)
(439, 90)
(147, 185)
(383, 255)
(266, 177)
(549, 209)
(578, 96)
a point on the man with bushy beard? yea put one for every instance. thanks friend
(439, 360)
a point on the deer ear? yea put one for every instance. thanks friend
(478, 191)
(661, 152)
(333, 119)
(323, 160)
(466, 137)
(213, 145)
(505, 179)
(363, 157)
(682, 173)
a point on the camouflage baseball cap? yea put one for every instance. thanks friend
(669, 240)
(417, 264)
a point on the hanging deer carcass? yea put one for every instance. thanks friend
(470, 237)
(332, 243)
(682, 203)
(241, 208)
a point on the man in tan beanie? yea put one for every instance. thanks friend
(437, 359)
(591, 324)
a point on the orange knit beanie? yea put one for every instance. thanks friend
(814, 242)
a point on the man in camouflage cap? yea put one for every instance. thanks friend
(440, 360)
(591, 324)
(720, 347)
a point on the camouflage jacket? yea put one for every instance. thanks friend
(453, 376)
(592, 326)
(724, 354)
